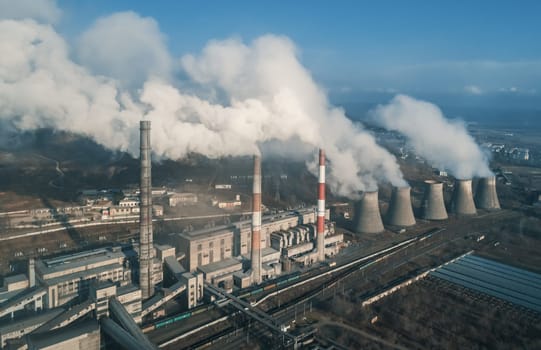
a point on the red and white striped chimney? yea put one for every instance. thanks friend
(321, 208)
(256, 223)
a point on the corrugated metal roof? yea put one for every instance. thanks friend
(506, 282)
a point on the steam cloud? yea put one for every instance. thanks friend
(256, 95)
(444, 143)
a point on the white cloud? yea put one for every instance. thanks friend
(473, 89)
(127, 47)
(512, 89)
(40, 10)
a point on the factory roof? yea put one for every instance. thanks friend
(174, 265)
(5, 295)
(207, 233)
(77, 260)
(241, 274)
(32, 320)
(163, 246)
(490, 277)
(264, 252)
(57, 336)
(14, 279)
(268, 251)
(129, 288)
(227, 229)
(81, 274)
(27, 293)
(220, 265)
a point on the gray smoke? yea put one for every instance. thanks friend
(266, 97)
(444, 143)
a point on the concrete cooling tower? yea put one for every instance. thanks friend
(433, 205)
(367, 215)
(486, 196)
(400, 209)
(462, 203)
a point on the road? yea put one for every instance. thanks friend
(133, 220)
(57, 168)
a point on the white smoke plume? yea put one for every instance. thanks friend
(41, 87)
(266, 96)
(444, 143)
(126, 47)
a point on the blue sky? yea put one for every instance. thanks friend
(478, 51)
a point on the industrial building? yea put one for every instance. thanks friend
(220, 251)
(84, 335)
(68, 277)
(181, 199)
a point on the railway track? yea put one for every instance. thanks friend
(335, 274)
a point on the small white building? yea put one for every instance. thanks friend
(222, 186)
(185, 198)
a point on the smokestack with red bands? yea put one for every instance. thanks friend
(321, 208)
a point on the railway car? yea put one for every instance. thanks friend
(149, 328)
(182, 316)
(270, 286)
(199, 311)
(245, 295)
(256, 291)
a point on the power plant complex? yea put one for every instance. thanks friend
(124, 285)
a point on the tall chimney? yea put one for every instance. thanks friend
(367, 215)
(462, 203)
(433, 204)
(486, 196)
(146, 251)
(31, 272)
(256, 222)
(321, 208)
(400, 209)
